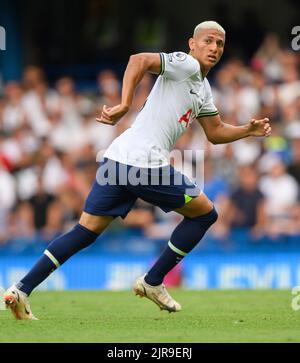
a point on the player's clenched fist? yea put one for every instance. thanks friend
(260, 127)
(111, 115)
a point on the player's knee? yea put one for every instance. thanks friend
(93, 223)
(208, 218)
(214, 216)
(89, 225)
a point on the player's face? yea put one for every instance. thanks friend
(207, 47)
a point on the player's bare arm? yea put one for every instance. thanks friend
(218, 132)
(137, 66)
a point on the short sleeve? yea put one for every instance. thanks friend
(178, 66)
(208, 107)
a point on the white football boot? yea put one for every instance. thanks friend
(17, 301)
(158, 294)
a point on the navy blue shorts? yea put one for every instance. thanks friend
(117, 186)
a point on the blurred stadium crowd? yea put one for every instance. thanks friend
(49, 140)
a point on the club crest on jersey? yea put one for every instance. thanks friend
(180, 56)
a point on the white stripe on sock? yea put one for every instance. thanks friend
(52, 258)
(175, 249)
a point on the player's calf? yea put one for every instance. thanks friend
(184, 238)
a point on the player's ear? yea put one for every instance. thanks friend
(192, 43)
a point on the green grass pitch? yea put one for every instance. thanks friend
(106, 316)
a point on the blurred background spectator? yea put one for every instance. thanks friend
(245, 206)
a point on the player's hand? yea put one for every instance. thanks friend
(111, 115)
(259, 127)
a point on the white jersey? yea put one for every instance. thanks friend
(179, 95)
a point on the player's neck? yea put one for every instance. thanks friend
(203, 71)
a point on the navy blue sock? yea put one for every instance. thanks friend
(183, 239)
(57, 252)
